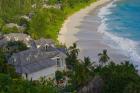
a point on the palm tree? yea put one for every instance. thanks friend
(103, 57)
(73, 49)
(87, 68)
(72, 56)
(87, 62)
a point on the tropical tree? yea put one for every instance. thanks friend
(72, 56)
(118, 78)
(59, 76)
(5, 83)
(87, 62)
(80, 71)
(103, 57)
(132, 88)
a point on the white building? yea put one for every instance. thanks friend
(35, 63)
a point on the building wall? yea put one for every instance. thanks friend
(48, 73)
(62, 63)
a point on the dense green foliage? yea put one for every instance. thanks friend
(46, 22)
(4, 67)
(59, 75)
(10, 9)
(121, 78)
(11, 85)
(117, 78)
(79, 72)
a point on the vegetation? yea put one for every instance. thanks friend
(122, 78)
(103, 57)
(13, 85)
(4, 67)
(11, 82)
(118, 78)
(46, 22)
(13, 47)
(11, 9)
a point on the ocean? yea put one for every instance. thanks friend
(120, 26)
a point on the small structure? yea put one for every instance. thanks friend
(94, 86)
(36, 63)
(26, 17)
(44, 43)
(57, 6)
(19, 37)
(12, 25)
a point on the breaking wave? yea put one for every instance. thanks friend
(128, 46)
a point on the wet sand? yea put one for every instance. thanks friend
(91, 42)
(82, 28)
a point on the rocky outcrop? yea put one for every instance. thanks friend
(94, 86)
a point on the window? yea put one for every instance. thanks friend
(62, 62)
(58, 62)
(46, 48)
(14, 59)
(27, 59)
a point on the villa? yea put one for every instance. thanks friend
(42, 59)
(36, 63)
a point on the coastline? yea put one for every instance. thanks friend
(69, 28)
(82, 28)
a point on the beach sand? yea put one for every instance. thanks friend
(82, 28)
(69, 29)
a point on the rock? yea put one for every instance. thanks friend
(94, 86)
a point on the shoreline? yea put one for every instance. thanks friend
(82, 28)
(69, 28)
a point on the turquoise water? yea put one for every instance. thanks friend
(121, 26)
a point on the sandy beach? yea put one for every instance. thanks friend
(70, 25)
(82, 28)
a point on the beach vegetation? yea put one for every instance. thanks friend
(103, 57)
(46, 22)
(117, 78)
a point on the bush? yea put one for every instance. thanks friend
(46, 23)
(59, 75)
(7, 30)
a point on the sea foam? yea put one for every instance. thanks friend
(129, 47)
